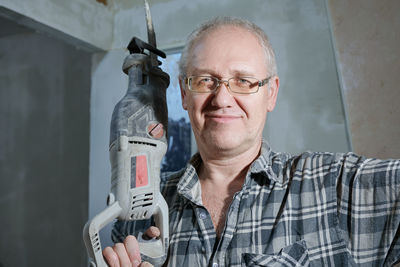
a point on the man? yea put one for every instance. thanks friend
(238, 203)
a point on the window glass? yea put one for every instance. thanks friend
(179, 131)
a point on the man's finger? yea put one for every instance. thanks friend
(146, 264)
(132, 247)
(120, 249)
(111, 257)
(152, 232)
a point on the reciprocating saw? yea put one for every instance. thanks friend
(138, 143)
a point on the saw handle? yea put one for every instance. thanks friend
(91, 234)
(153, 251)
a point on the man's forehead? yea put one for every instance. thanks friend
(227, 35)
(226, 44)
(234, 71)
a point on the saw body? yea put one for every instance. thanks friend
(138, 143)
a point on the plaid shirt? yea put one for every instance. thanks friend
(315, 209)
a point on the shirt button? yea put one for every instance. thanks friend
(215, 264)
(203, 215)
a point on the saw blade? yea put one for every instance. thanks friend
(151, 35)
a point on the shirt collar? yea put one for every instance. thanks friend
(265, 163)
(189, 184)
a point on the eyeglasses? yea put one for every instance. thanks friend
(239, 85)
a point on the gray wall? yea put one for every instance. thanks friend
(44, 149)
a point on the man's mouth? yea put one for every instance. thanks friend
(222, 118)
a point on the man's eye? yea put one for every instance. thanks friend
(205, 81)
(243, 81)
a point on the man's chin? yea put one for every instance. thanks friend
(225, 144)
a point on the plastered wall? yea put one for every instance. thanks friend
(367, 43)
(44, 149)
(86, 24)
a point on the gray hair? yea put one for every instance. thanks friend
(228, 21)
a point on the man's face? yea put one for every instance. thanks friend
(225, 122)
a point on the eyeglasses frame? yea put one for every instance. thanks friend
(226, 82)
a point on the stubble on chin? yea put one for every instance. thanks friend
(222, 142)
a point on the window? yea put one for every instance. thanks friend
(179, 129)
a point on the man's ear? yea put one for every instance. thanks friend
(183, 92)
(273, 89)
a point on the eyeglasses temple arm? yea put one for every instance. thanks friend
(263, 82)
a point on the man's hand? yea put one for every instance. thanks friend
(127, 253)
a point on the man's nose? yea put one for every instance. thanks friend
(222, 96)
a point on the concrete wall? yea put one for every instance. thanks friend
(368, 41)
(44, 149)
(84, 23)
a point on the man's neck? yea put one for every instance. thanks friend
(222, 170)
(220, 178)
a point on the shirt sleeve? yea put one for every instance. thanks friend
(368, 198)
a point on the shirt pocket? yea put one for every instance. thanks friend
(294, 255)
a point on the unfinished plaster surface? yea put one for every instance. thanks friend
(44, 155)
(368, 40)
(86, 23)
